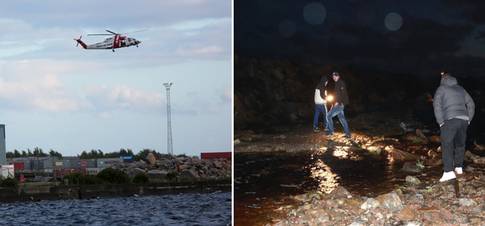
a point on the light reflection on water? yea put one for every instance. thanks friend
(360, 165)
(322, 173)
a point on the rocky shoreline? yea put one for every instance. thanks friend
(178, 169)
(415, 203)
(169, 174)
(415, 197)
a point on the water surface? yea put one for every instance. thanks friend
(174, 209)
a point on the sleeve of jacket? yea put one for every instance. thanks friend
(437, 105)
(345, 94)
(470, 105)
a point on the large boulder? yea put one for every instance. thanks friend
(397, 155)
(390, 201)
(132, 172)
(152, 160)
(188, 175)
(158, 176)
(412, 167)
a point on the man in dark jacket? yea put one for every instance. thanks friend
(341, 99)
(320, 103)
(454, 110)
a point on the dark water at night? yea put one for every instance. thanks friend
(174, 209)
(266, 181)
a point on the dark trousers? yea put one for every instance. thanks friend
(453, 137)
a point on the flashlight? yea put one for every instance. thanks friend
(329, 98)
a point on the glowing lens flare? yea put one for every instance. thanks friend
(329, 98)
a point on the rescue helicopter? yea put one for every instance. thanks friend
(114, 42)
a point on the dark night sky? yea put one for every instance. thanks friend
(417, 37)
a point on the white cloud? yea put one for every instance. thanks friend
(207, 51)
(122, 97)
(44, 93)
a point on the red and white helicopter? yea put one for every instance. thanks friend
(115, 42)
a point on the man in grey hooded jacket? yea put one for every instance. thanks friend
(454, 110)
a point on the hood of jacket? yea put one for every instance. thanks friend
(448, 81)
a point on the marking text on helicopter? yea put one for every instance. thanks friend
(114, 42)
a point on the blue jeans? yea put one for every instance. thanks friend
(337, 110)
(320, 108)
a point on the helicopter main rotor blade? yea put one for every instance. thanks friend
(99, 34)
(136, 31)
(112, 32)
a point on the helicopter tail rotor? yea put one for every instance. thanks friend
(78, 41)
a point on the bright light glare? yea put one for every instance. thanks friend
(329, 98)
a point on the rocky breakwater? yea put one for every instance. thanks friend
(178, 169)
(415, 203)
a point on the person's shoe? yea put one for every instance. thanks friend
(447, 176)
(326, 129)
(348, 136)
(316, 130)
(458, 170)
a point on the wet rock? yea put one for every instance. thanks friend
(411, 167)
(476, 221)
(370, 203)
(432, 154)
(412, 180)
(475, 158)
(399, 155)
(435, 139)
(374, 150)
(415, 139)
(340, 192)
(421, 135)
(432, 216)
(467, 202)
(390, 201)
(357, 223)
(413, 223)
(478, 147)
(407, 213)
(323, 219)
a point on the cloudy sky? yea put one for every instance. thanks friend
(418, 37)
(54, 95)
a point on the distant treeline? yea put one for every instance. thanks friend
(37, 152)
(93, 154)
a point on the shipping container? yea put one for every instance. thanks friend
(215, 155)
(127, 158)
(19, 166)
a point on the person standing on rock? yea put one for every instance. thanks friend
(454, 110)
(320, 104)
(341, 99)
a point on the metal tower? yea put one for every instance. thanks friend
(169, 120)
(3, 151)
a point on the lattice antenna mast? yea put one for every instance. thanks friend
(169, 119)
